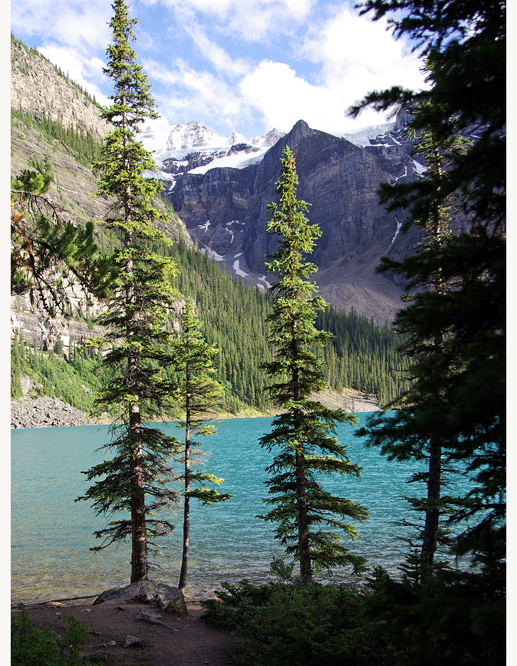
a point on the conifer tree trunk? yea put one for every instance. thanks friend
(303, 516)
(303, 521)
(198, 394)
(186, 508)
(432, 514)
(139, 566)
(138, 478)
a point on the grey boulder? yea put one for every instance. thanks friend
(167, 598)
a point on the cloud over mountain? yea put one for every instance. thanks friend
(233, 65)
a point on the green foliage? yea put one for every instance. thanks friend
(48, 254)
(464, 45)
(84, 146)
(363, 355)
(456, 331)
(196, 391)
(137, 480)
(303, 434)
(34, 646)
(428, 370)
(16, 367)
(454, 619)
(197, 394)
(288, 623)
(73, 377)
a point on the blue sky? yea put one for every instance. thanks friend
(233, 65)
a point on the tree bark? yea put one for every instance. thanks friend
(186, 510)
(139, 566)
(432, 514)
(303, 522)
(301, 494)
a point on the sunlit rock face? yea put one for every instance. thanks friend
(221, 187)
(225, 210)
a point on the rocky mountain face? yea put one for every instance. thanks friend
(220, 187)
(40, 91)
(225, 209)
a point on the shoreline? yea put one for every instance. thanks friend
(50, 412)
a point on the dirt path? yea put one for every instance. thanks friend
(189, 641)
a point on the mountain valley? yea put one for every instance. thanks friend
(216, 193)
(221, 188)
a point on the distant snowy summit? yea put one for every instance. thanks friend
(194, 148)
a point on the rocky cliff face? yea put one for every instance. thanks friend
(225, 210)
(221, 187)
(37, 88)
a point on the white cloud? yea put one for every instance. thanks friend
(362, 52)
(204, 96)
(280, 95)
(261, 20)
(354, 55)
(214, 53)
(72, 22)
(247, 20)
(283, 98)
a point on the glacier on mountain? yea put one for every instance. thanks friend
(193, 148)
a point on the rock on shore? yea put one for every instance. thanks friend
(45, 412)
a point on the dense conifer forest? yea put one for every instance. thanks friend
(362, 355)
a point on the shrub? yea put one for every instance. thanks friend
(288, 623)
(34, 646)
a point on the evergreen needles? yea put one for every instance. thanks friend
(454, 413)
(197, 393)
(304, 431)
(137, 479)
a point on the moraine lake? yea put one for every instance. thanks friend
(52, 534)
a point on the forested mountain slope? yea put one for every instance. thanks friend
(363, 355)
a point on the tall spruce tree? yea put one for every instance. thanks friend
(400, 441)
(305, 432)
(136, 480)
(465, 49)
(197, 394)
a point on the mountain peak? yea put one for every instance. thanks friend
(191, 135)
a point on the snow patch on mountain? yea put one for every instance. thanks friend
(361, 137)
(233, 161)
(265, 285)
(204, 226)
(399, 227)
(212, 254)
(194, 148)
(419, 168)
(237, 269)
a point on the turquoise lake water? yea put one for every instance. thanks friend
(52, 534)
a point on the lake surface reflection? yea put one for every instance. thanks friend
(52, 534)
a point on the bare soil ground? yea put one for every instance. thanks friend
(187, 641)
